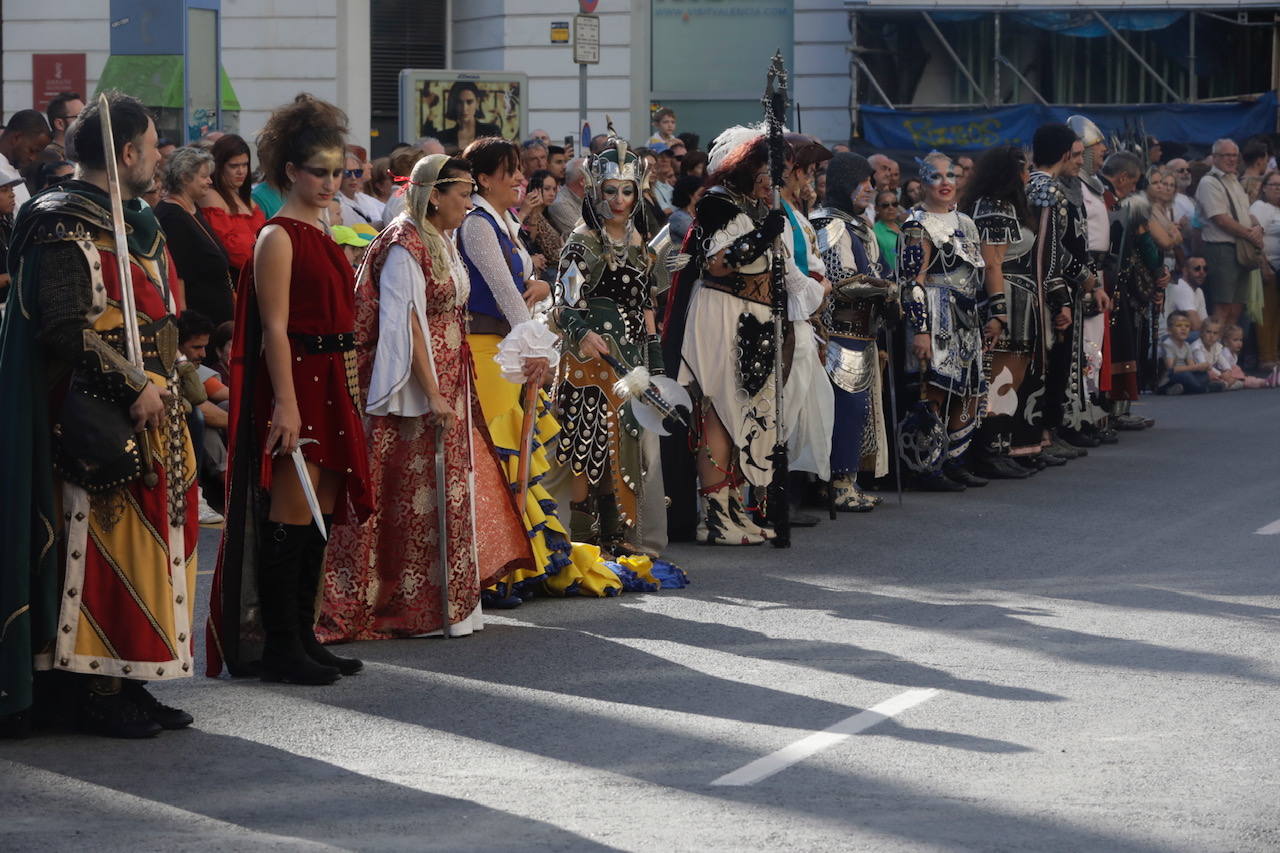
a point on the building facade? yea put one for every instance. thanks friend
(705, 58)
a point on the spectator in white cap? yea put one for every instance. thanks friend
(9, 181)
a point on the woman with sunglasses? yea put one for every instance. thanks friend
(294, 389)
(357, 206)
(940, 267)
(887, 230)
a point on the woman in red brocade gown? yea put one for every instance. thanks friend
(294, 385)
(383, 578)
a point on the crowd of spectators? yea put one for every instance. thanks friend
(1216, 222)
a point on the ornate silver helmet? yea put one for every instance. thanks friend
(617, 162)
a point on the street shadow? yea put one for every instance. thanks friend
(1006, 627)
(1141, 597)
(272, 791)
(677, 758)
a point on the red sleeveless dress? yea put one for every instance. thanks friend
(322, 302)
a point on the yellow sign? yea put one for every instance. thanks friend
(559, 32)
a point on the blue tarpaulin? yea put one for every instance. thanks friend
(982, 128)
(1081, 24)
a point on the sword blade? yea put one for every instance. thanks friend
(308, 491)
(133, 345)
(893, 409)
(442, 534)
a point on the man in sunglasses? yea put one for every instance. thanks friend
(1184, 206)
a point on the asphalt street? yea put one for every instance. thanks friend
(1082, 661)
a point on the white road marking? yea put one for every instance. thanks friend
(1268, 529)
(763, 768)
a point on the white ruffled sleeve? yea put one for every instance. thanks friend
(402, 292)
(530, 339)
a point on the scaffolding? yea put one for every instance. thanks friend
(1085, 54)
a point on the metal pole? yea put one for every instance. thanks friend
(582, 96)
(996, 57)
(973, 84)
(853, 77)
(1137, 56)
(1275, 61)
(1023, 80)
(875, 84)
(220, 120)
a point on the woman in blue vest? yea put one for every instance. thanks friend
(510, 345)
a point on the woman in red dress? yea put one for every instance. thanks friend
(294, 386)
(227, 205)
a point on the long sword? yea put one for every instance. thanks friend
(132, 337)
(442, 534)
(893, 407)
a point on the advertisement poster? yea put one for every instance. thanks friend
(55, 73)
(457, 107)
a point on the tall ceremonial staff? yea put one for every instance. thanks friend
(128, 308)
(775, 102)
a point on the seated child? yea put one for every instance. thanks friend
(1229, 368)
(1183, 374)
(1208, 349)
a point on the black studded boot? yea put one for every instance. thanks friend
(279, 567)
(309, 575)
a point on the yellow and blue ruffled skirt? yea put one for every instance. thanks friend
(562, 568)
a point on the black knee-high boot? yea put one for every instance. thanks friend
(279, 566)
(309, 575)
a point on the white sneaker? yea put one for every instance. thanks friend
(208, 515)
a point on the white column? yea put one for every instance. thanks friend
(353, 68)
(641, 57)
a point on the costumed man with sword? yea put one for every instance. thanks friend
(97, 574)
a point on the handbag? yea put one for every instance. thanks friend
(94, 443)
(1248, 255)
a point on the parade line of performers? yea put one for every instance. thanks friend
(443, 429)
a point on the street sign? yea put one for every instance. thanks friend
(586, 7)
(559, 32)
(586, 39)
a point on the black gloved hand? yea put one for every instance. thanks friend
(774, 222)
